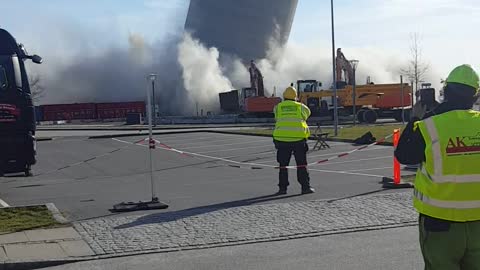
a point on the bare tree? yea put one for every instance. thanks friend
(36, 87)
(417, 68)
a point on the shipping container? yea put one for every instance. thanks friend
(77, 111)
(119, 109)
(261, 104)
(38, 113)
(230, 101)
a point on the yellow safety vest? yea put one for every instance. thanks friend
(447, 185)
(291, 122)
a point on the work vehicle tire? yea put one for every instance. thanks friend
(408, 114)
(398, 116)
(28, 171)
(370, 116)
(361, 116)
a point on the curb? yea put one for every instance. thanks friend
(39, 264)
(56, 213)
(28, 265)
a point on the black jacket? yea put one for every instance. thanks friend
(411, 147)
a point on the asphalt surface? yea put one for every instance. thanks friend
(371, 250)
(89, 189)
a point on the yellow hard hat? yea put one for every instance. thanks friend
(290, 93)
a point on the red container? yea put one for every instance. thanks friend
(69, 111)
(119, 109)
(261, 104)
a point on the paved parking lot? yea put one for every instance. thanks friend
(88, 190)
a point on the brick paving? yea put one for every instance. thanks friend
(217, 226)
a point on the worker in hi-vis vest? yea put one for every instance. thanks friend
(290, 136)
(447, 187)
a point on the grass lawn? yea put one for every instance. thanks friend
(347, 132)
(25, 218)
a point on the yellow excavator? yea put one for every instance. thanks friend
(372, 101)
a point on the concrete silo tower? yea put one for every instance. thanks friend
(241, 27)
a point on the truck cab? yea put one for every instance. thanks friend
(320, 102)
(17, 114)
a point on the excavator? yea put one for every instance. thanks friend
(249, 101)
(372, 101)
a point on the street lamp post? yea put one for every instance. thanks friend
(335, 103)
(152, 78)
(354, 64)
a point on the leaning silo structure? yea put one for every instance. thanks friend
(241, 27)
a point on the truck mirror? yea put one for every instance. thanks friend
(37, 59)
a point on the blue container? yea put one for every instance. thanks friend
(38, 113)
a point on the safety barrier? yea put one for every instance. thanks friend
(396, 182)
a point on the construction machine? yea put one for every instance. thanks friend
(372, 101)
(249, 101)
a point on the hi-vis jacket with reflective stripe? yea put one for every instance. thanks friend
(291, 122)
(447, 185)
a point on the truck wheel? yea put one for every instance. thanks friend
(407, 114)
(370, 116)
(361, 116)
(28, 171)
(398, 116)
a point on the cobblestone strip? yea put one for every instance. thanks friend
(213, 227)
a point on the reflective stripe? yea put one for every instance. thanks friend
(438, 176)
(291, 128)
(437, 154)
(289, 119)
(469, 178)
(446, 204)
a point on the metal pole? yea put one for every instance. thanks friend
(413, 92)
(154, 105)
(403, 96)
(150, 142)
(335, 105)
(354, 97)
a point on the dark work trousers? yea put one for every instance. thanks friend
(284, 153)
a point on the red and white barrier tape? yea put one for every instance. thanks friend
(337, 156)
(232, 163)
(250, 165)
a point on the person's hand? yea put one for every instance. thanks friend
(419, 110)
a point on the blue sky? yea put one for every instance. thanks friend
(448, 27)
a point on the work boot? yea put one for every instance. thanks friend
(281, 191)
(309, 190)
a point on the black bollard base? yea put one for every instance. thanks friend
(139, 206)
(387, 182)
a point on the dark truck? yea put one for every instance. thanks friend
(17, 114)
